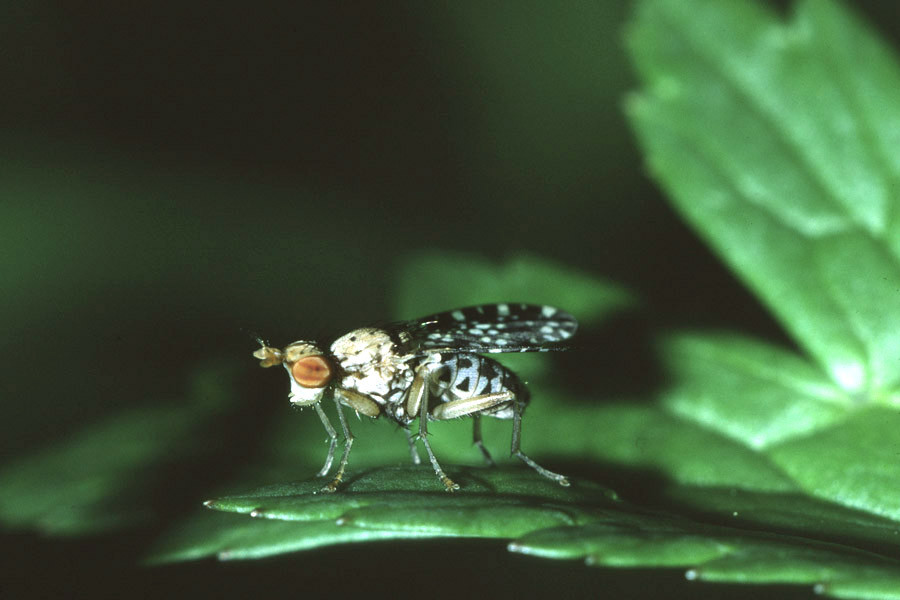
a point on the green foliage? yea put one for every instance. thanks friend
(102, 478)
(385, 503)
(718, 554)
(777, 143)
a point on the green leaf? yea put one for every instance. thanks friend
(755, 393)
(218, 535)
(793, 513)
(854, 464)
(827, 443)
(102, 478)
(769, 147)
(644, 437)
(383, 503)
(777, 143)
(584, 521)
(719, 554)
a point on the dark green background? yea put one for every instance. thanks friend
(176, 177)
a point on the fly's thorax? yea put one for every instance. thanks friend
(363, 347)
(372, 364)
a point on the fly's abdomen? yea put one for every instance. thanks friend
(464, 376)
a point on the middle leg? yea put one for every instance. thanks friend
(418, 399)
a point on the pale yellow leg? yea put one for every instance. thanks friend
(467, 406)
(416, 393)
(359, 402)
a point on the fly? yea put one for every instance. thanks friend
(429, 369)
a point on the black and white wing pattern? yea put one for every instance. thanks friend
(493, 328)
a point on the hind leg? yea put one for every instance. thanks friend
(518, 409)
(476, 439)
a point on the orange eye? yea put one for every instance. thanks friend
(311, 372)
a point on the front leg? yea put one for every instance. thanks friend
(418, 402)
(361, 404)
(348, 442)
(332, 435)
(413, 453)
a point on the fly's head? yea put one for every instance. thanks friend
(309, 369)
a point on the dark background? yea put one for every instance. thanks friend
(176, 176)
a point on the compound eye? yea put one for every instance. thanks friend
(311, 372)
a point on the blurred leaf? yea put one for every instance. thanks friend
(750, 391)
(644, 437)
(778, 144)
(828, 444)
(763, 137)
(443, 281)
(854, 464)
(103, 477)
(760, 135)
(513, 64)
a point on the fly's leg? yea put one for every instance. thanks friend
(449, 484)
(473, 406)
(348, 442)
(516, 450)
(418, 399)
(476, 439)
(465, 407)
(361, 404)
(331, 434)
(416, 459)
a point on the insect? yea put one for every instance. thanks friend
(427, 369)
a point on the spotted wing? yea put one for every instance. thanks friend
(491, 328)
